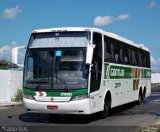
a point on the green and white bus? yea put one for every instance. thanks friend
(79, 70)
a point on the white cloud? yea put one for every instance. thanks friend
(107, 20)
(103, 20)
(122, 17)
(11, 13)
(152, 4)
(155, 64)
(14, 43)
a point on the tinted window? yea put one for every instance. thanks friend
(109, 49)
(119, 52)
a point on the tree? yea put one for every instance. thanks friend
(7, 65)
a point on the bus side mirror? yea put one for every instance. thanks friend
(89, 56)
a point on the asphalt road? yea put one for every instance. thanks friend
(126, 118)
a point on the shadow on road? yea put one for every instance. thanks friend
(71, 119)
(121, 110)
(57, 119)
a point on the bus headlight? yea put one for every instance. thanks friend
(27, 96)
(79, 97)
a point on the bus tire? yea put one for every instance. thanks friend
(140, 97)
(144, 93)
(106, 107)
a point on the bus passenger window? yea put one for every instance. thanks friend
(112, 52)
(144, 60)
(116, 57)
(129, 56)
(116, 53)
(121, 55)
(134, 59)
(126, 56)
(108, 52)
(140, 59)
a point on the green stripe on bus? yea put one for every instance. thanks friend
(105, 71)
(147, 73)
(74, 93)
(28, 91)
(120, 72)
(134, 85)
(58, 94)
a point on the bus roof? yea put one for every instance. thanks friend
(109, 34)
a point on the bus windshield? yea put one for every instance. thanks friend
(56, 69)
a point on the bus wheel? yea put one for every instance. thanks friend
(140, 98)
(144, 93)
(107, 106)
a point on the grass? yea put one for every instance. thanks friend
(19, 95)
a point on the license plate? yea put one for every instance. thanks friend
(52, 107)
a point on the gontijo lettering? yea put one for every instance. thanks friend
(117, 72)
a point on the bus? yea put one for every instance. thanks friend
(76, 70)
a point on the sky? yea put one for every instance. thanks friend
(138, 20)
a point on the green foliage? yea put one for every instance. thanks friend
(7, 65)
(19, 95)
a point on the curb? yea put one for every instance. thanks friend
(12, 104)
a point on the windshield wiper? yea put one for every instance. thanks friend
(66, 88)
(62, 82)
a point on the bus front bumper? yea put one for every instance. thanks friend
(71, 107)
